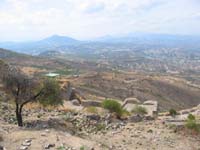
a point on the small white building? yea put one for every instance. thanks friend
(52, 75)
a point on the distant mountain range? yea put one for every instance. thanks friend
(137, 40)
(36, 47)
(5, 54)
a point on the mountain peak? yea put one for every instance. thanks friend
(59, 40)
(59, 37)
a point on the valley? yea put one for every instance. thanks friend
(158, 78)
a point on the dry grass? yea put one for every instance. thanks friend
(66, 109)
(92, 109)
(38, 106)
(33, 106)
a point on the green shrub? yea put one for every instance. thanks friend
(125, 113)
(83, 148)
(192, 124)
(100, 127)
(113, 106)
(61, 148)
(172, 112)
(139, 110)
(191, 117)
(52, 96)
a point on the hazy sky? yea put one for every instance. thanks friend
(35, 19)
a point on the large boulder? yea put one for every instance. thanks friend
(135, 118)
(75, 102)
(151, 107)
(130, 103)
(70, 93)
(131, 100)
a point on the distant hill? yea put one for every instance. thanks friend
(131, 42)
(54, 42)
(6, 54)
(59, 40)
(167, 40)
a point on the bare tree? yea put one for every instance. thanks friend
(25, 89)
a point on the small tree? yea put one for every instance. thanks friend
(172, 112)
(26, 90)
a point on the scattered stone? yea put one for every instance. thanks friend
(48, 146)
(135, 118)
(43, 134)
(28, 140)
(150, 131)
(89, 103)
(75, 102)
(47, 130)
(23, 148)
(26, 144)
(94, 117)
(149, 118)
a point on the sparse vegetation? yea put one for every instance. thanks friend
(125, 113)
(26, 90)
(64, 72)
(192, 124)
(113, 106)
(61, 148)
(139, 110)
(172, 112)
(191, 117)
(92, 109)
(100, 127)
(51, 93)
(84, 147)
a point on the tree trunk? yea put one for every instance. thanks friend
(19, 115)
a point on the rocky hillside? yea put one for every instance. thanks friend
(79, 129)
(170, 92)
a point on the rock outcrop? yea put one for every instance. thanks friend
(130, 103)
(151, 107)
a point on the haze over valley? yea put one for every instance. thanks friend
(99, 75)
